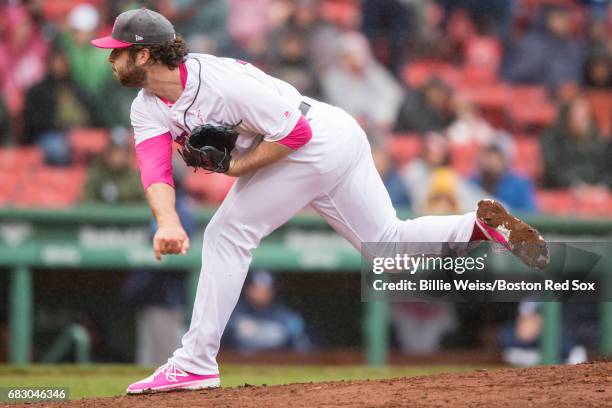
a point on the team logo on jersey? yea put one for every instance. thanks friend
(287, 114)
(199, 115)
(138, 38)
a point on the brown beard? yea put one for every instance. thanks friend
(132, 75)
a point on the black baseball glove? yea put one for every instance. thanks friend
(209, 147)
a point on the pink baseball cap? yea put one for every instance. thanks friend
(137, 27)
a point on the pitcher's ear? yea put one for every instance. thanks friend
(143, 56)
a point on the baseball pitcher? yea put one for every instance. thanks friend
(287, 152)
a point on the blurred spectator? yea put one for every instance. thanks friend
(23, 50)
(496, 178)
(89, 65)
(294, 66)
(420, 327)
(261, 322)
(5, 127)
(574, 151)
(491, 16)
(469, 127)
(360, 85)
(160, 295)
(460, 29)
(597, 33)
(305, 16)
(547, 56)
(391, 178)
(598, 69)
(198, 21)
(324, 46)
(441, 192)
(520, 340)
(111, 178)
(248, 25)
(302, 18)
(391, 26)
(248, 19)
(53, 107)
(433, 186)
(426, 110)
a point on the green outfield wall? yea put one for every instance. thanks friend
(118, 237)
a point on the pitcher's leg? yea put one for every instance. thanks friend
(255, 207)
(360, 209)
(224, 267)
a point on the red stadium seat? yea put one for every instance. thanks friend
(211, 188)
(494, 95)
(10, 182)
(464, 158)
(565, 202)
(528, 157)
(417, 73)
(529, 107)
(404, 147)
(601, 101)
(556, 202)
(87, 142)
(492, 99)
(482, 58)
(344, 13)
(57, 10)
(5, 199)
(14, 159)
(51, 187)
(594, 203)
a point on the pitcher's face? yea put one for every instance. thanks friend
(126, 70)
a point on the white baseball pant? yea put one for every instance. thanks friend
(334, 174)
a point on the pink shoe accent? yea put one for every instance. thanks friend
(493, 234)
(169, 377)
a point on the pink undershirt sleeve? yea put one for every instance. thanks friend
(299, 136)
(154, 157)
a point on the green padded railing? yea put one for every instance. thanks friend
(46, 238)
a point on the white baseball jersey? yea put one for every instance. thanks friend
(221, 91)
(333, 173)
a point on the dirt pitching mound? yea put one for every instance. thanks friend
(584, 385)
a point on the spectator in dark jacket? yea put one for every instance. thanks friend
(520, 340)
(547, 56)
(292, 63)
(360, 85)
(5, 129)
(426, 110)
(392, 27)
(262, 322)
(52, 107)
(598, 69)
(111, 179)
(496, 178)
(574, 152)
(391, 178)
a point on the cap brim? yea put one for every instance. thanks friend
(109, 42)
